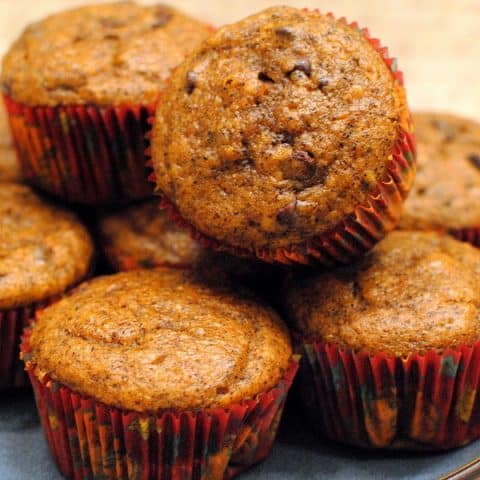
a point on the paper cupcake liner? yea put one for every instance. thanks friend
(90, 440)
(12, 324)
(83, 154)
(422, 402)
(358, 232)
(470, 235)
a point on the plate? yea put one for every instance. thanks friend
(297, 454)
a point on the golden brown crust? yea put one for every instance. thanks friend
(161, 339)
(102, 54)
(9, 167)
(446, 193)
(283, 123)
(43, 249)
(414, 292)
(143, 235)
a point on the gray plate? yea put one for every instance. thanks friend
(297, 453)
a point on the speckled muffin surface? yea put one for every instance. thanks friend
(143, 235)
(43, 249)
(103, 54)
(276, 128)
(446, 192)
(9, 167)
(413, 293)
(154, 339)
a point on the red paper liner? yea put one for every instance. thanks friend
(420, 402)
(12, 324)
(470, 235)
(90, 440)
(83, 154)
(359, 231)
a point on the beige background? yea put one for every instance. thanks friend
(437, 42)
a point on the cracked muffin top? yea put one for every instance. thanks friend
(276, 128)
(416, 291)
(102, 54)
(143, 235)
(446, 192)
(43, 248)
(149, 340)
(9, 166)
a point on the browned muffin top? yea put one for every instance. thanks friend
(9, 167)
(152, 339)
(103, 54)
(43, 249)
(276, 128)
(414, 292)
(144, 234)
(446, 193)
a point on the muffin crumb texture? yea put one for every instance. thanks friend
(161, 339)
(43, 250)
(276, 128)
(102, 54)
(446, 192)
(413, 293)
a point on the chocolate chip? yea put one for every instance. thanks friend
(288, 215)
(287, 137)
(285, 31)
(474, 159)
(304, 66)
(191, 82)
(322, 83)
(162, 16)
(303, 156)
(263, 77)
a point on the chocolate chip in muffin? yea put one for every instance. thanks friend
(288, 214)
(191, 82)
(302, 65)
(474, 159)
(163, 15)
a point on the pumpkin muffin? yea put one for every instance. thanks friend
(289, 139)
(44, 250)
(9, 168)
(153, 345)
(80, 85)
(446, 192)
(142, 236)
(381, 338)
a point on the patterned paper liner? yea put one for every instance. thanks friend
(422, 402)
(82, 153)
(359, 231)
(12, 324)
(90, 440)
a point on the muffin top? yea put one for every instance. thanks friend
(103, 54)
(43, 249)
(149, 340)
(144, 233)
(9, 167)
(416, 291)
(276, 128)
(446, 193)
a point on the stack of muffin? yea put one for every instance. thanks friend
(281, 152)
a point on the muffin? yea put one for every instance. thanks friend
(446, 192)
(173, 377)
(142, 236)
(79, 87)
(9, 168)
(285, 136)
(44, 250)
(391, 345)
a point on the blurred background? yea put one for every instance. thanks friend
(435, 40)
